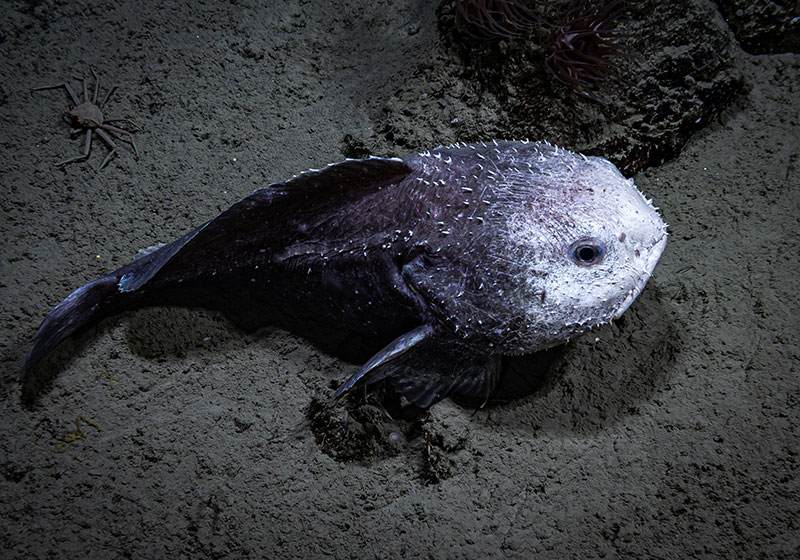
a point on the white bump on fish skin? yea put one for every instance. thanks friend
(480, 156)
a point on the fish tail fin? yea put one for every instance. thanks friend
(82, 307)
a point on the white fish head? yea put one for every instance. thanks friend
(588, 250)
(553, 243)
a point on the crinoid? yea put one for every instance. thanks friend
(582, 46)
(490, 19)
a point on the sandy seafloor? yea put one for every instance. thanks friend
(670, 434)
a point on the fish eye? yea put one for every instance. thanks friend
(587, 252)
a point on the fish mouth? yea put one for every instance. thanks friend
(652, 259)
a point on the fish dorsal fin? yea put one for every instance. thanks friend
(259, 219)
(350, 175)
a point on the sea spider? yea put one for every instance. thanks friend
(87, 116)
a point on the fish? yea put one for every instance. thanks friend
(440, 263)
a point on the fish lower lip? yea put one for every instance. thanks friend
(656, 251)
(634, 293)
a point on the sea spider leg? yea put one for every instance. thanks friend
(85, 88)
(111, 144)
(71, 93)
(128, 122)
(96, 85)
(107, 97)
(125, 133)
(97, 89)
(86, 148)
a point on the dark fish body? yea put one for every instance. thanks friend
(449, 259)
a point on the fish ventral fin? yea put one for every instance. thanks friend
(369, 372)
(447, 370)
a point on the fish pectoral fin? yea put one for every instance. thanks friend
(437, 367)
(370, 372)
